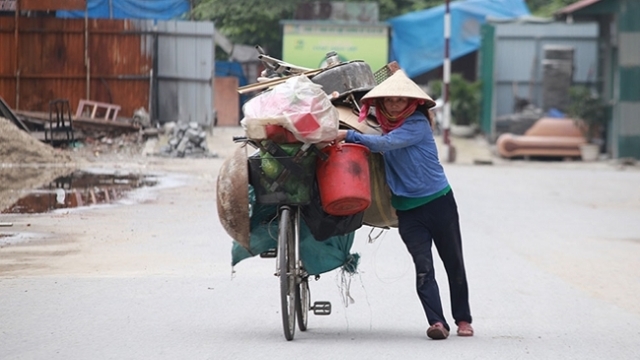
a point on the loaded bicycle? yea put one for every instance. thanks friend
(277, 183)
(274, 189)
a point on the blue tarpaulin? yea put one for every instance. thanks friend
(231, 68)
(131, 9)
(417, 39)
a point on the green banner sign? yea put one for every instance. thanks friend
(307, 44)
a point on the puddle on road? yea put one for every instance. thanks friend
(79, 189)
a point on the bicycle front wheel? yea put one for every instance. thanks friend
(303, 303)
(286, 260)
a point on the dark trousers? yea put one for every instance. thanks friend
(437, 221)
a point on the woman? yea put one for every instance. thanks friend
(426, 209)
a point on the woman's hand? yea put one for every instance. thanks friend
(342, 134)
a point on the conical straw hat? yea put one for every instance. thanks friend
(400, 85)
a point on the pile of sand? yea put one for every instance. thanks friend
(26, 163)
(19, 148)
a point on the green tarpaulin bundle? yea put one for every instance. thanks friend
(317, 256)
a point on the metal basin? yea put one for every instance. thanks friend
(232, 197)
(346, 78)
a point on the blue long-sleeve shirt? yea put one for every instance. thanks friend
(412, 166)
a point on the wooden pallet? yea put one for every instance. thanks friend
(97, 110)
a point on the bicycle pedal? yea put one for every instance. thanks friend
(321, 308)
(271, 253)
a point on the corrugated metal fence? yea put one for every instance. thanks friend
(165, 67)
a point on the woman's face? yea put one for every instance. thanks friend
(395, 104)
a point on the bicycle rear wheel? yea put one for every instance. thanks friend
(286, 261)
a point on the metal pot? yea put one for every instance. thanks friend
(346, 78)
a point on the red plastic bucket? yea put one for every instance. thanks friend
(343, 179)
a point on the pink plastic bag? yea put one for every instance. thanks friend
(298, 105)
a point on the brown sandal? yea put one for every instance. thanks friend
(437, 331)
(465, 329)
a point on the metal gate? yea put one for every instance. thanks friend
(185, 70)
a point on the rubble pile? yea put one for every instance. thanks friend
(187, 140)
(114, 146)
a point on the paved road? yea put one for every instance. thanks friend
(552, 254)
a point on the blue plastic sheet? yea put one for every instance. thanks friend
(131, 9)
(231, 68)
(417, 39)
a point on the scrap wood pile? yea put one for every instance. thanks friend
(20, 148)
